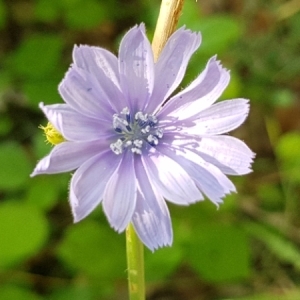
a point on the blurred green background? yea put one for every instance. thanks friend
(248, 249)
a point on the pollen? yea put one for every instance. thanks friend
(53, 136)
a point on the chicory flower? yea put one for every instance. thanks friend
(134, 145)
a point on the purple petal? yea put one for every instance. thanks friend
(210, 180)
(103, 66)
(151, 218)
(89, 182)
(73, 125)
(171, 65)
(68, 156)
(120, 194)
(136, 67)
(232, 155)
(200, 94)
(83, 93)
(171, 179)
(219, 118)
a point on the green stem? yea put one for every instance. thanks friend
(135, 264)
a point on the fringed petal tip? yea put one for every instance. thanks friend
(142, 27)
(218, 202)
(121, 229)
(152, 236)
(79, 47)
(214, 59)
(157, 241)
(197, 34)
(252, 155)
(138, 27)
(225, 73)
(78, 50)
(155, 246)
(117, 226)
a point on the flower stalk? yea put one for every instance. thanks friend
(165, 26)
(135, 265)
(169, 14)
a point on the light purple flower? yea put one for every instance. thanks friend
(133, 146)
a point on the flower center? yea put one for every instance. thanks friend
(135, 133)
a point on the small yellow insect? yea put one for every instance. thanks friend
(53, 136)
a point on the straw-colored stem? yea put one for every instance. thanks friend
(169, 14)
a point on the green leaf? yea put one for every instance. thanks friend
(234, 87)
(46, 10)
(94, 249)
(43, 191)
(5, 124)
(278, 245)
(160, 264)
(271, 196)
(15, 167)
(40, 145)
(283, 98)
(288, 147)
(37, 56)
(219, 253)
(287, 151)
(218, 33)
(77, 291)
(13, 292)
(3, 14)
(191, 15)
(23, 231)
(84, 14)
(287, 294)
(42, 90)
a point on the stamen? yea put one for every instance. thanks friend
(152, 119)
(146, 129)
(153, 140)
(136, 150)
(136, 134)
(117, 147)
(159, 133)
(127, 144)
(120, 124)
(125, 111)
(138, 143)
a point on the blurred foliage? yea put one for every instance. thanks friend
(248, 249)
